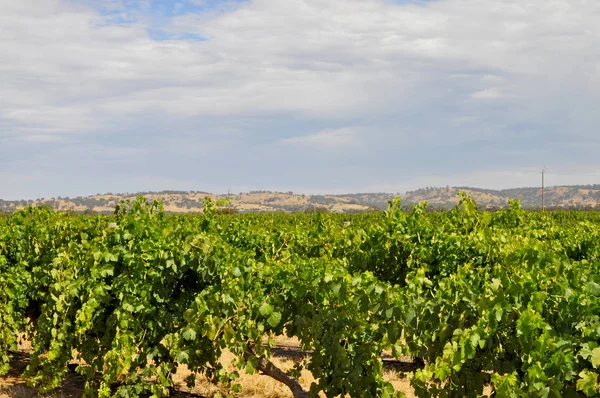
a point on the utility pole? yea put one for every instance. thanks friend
(543, 189)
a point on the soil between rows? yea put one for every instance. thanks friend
(285, 354)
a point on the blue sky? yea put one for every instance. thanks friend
(313, 96)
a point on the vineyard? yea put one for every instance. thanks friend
(505, 302)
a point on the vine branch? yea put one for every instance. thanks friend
(268, 368)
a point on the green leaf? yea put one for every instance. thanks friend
(475, 339)
(498, 312)
(396, 350)
(588, 382)
(250, 368)
(189, 334)
(274, 319)
(592, 288)
(265, 309)
(183, 357)
(496, 284)
(236, 388)
(389, 312)
(596, 357)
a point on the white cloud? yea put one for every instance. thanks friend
(315, 58)
(330, 139)
(471, 72)
(488, 93)
(464, 119)
(41, 138)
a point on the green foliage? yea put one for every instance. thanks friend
(508, 299)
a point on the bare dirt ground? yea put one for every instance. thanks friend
(285, 354)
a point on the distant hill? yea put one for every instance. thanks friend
(577, 196)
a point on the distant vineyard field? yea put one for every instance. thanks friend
(506, 302)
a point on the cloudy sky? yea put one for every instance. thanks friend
(304, 95)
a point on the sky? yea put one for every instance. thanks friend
(312, 96)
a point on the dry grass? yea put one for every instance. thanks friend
(256, 385)
(253, 386)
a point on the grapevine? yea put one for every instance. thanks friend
(507, 301)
